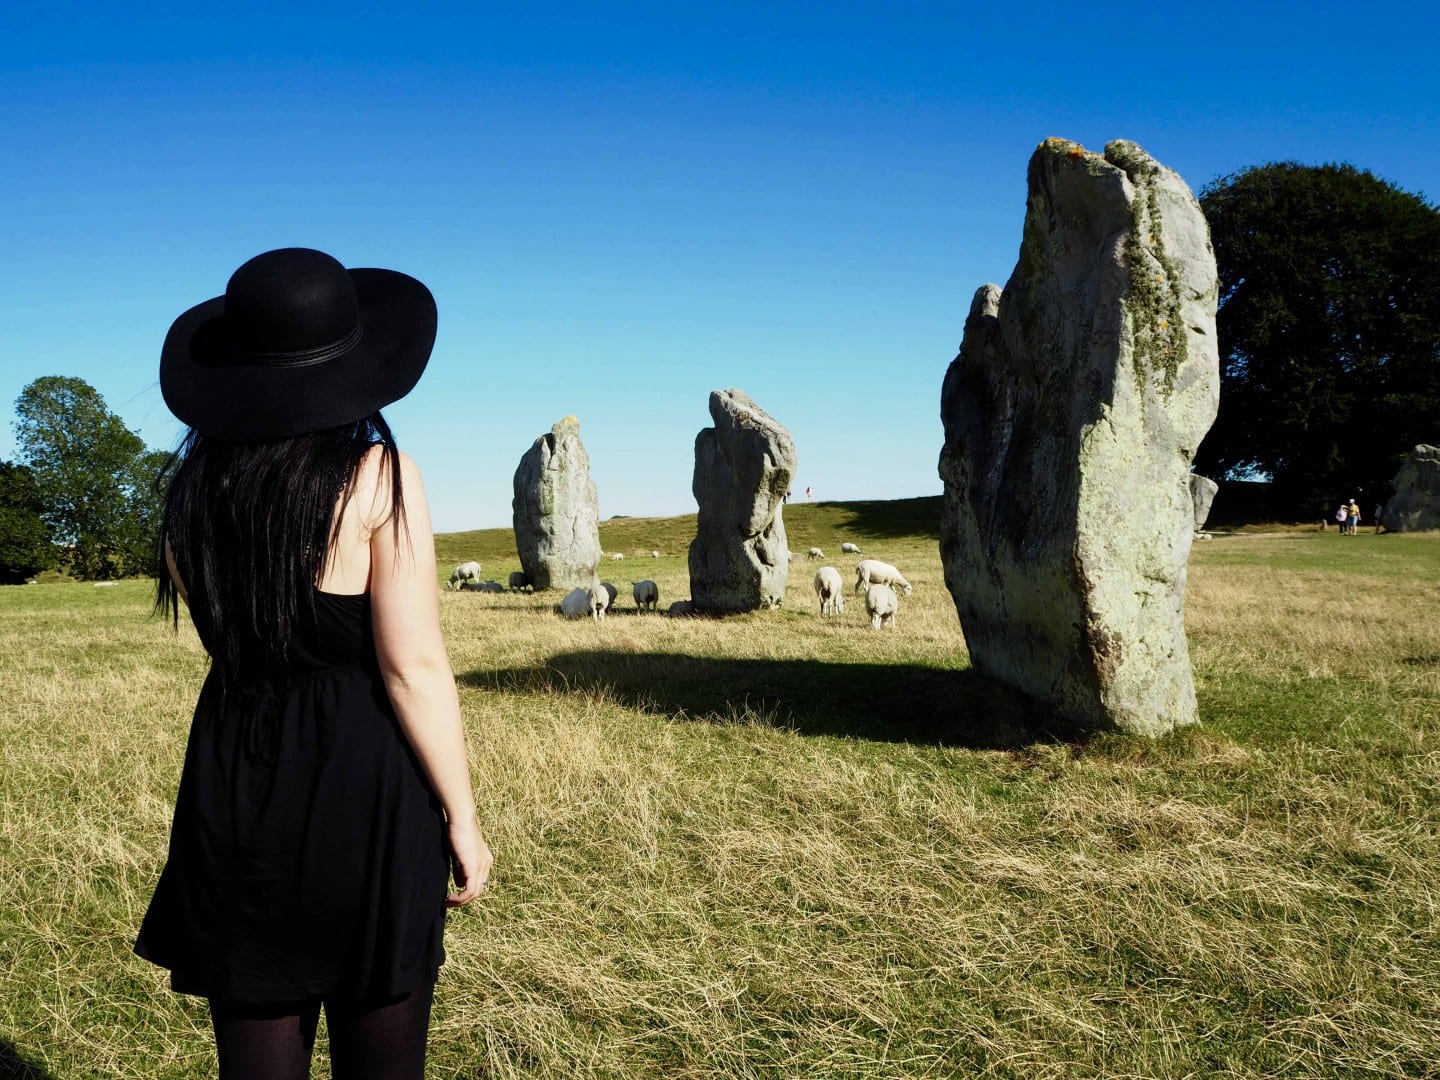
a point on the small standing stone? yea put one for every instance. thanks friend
(1202, 495)
(1416, 503)
(739, 560)
(556, 511)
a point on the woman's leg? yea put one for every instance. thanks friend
(379, 1040)
(265, 1042)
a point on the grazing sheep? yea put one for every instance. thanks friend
(520, 581)
(599, 596)
(466, 571)
(611, 592)
(873, 571)
(482, 586)
(654, 554)
(850, 549)
(883, 604)
(576, 604)
(680, 609)
(617, 556)
(815, 553)
(830, 587)
(646, 593)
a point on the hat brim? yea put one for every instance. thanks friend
(250, 402)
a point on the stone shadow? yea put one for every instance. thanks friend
(881, 702)
(894, 519)
(16, 1066)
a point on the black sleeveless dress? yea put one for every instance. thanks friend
(308, 855)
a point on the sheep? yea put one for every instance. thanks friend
(491, 586)
(576, 604)
(599, 597)
(646, 593)
(850, 549)
(883, 604)
(830, 587)
(815, 553)
(520, 581)
(617, 556)
(466, 571)
(611, 592)
(654, 554)
(873, 571)
(681, 609)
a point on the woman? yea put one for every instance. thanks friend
(325, 797)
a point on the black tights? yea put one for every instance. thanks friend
(369, 1040)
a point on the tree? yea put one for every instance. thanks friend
(25, 545)
(94, 476)
(1329, 328)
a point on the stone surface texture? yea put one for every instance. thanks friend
(556, 511)
(1416, 504)
(1202, 496)
(1072, 415)
(739, 559)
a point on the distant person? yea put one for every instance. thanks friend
(1342, 515)
(786, 497)
(1354, 518)
(325, 798)
(807, 494)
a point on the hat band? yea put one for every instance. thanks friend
(304, 357)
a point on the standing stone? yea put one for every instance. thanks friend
(1416, 503)
(1072, 415)
(1202, 494)
(739, 559)
(557, 514)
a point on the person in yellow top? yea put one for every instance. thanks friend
(1354, 521)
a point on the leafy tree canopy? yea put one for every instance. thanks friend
(1329, 328)
(94, 475)
(25, 547)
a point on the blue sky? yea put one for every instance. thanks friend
(621, 207)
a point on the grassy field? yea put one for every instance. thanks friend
(779, 846)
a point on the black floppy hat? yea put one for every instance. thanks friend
(297, 344)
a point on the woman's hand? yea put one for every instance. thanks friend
(470, 861)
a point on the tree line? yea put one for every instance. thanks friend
(82, 495)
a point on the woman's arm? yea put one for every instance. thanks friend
(405, 607)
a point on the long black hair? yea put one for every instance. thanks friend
(250, 526)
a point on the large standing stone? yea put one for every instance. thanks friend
(1416, 503)
(557, 514)
(1072, 415)
(739, 559)
(1202, 495)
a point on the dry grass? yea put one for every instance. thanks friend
(780, 846)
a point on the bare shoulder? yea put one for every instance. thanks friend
(372, 485)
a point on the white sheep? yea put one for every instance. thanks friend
(830, 587)
(617, 556)
(654, 554)
(611, 592)
(466, 571)
(599, 596)
(882, 604)
(575, 604)
(681, 609)
(848, 548)
(520, 581)
(815, 553)
(646, 593)
(873, 571)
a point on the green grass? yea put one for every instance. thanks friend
(773, 845)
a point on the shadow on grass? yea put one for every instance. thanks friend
(895, 519)
(882, 702)
(16, 1066)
